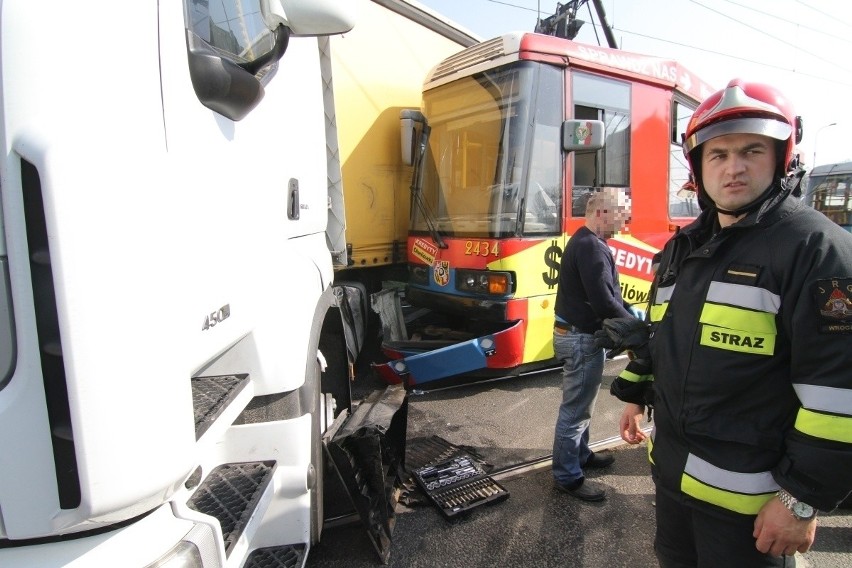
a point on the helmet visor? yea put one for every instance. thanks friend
(763, 126)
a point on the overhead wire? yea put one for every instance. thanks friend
(728, 55)
(791, 22)
(817, 10)
(594, 27)
(786, 42)
(514, 6)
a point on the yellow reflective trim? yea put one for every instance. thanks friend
(739, 341)
(825, 426)
(738, 318)
(658, 311)
(650, 448)
(661, 302)
(738, 502)
(632, 377)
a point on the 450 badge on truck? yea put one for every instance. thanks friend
(218, 316)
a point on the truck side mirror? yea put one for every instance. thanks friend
(411, 122)
(224, 77)
(582, 135)
(309, 17)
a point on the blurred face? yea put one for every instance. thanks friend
(612, 217)
(736, 169)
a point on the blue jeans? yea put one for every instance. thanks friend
(582, 365)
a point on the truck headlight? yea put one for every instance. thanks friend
(184, 554)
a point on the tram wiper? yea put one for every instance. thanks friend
(417, 178)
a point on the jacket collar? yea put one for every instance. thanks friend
(775, 207)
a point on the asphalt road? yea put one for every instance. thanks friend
(509, 422)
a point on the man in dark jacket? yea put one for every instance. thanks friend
(588, 292)
(750, 322)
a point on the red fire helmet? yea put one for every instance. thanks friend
(744, 108)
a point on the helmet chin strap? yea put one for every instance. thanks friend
(753, 206)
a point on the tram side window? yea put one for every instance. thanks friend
(586, 163)
(683, 200)
(608, 100)
(585, 167)
(832, 195)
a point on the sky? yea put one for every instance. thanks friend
(802, 47)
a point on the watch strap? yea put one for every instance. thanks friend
(789, 502)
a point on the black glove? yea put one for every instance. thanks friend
(621, 334)
(638, 392)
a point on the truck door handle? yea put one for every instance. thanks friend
(293, 199)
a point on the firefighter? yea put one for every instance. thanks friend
(748, 360)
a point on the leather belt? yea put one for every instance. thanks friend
(561, 328)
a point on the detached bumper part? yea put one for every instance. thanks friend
(367, 450)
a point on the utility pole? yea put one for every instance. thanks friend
(816, 139)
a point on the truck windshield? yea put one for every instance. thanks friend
(829, 190)
(494, 164)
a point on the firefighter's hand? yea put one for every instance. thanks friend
(603, 339)
(619, 334)
(778, 532)
(631, 418)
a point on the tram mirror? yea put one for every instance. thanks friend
(582, 135)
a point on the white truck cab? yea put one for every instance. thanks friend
(164, 278)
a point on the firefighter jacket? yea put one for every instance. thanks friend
(751, 329)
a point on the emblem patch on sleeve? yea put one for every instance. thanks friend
(834, 303)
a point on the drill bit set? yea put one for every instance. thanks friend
(458, 484)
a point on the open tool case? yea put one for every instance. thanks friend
(458, 484)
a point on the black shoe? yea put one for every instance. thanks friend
(599, 461)
(586, 491)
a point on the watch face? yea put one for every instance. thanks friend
(803, 510)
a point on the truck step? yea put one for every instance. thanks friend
(230, 493)
(211, 395)
(276, 557)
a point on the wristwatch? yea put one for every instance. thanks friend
(802, 511)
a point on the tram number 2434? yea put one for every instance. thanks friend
(481, 248)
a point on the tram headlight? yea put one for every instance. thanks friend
(484, 282)
(418, 274)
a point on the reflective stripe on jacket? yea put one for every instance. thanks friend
(752, 379)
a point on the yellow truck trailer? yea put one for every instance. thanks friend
(377, 70)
